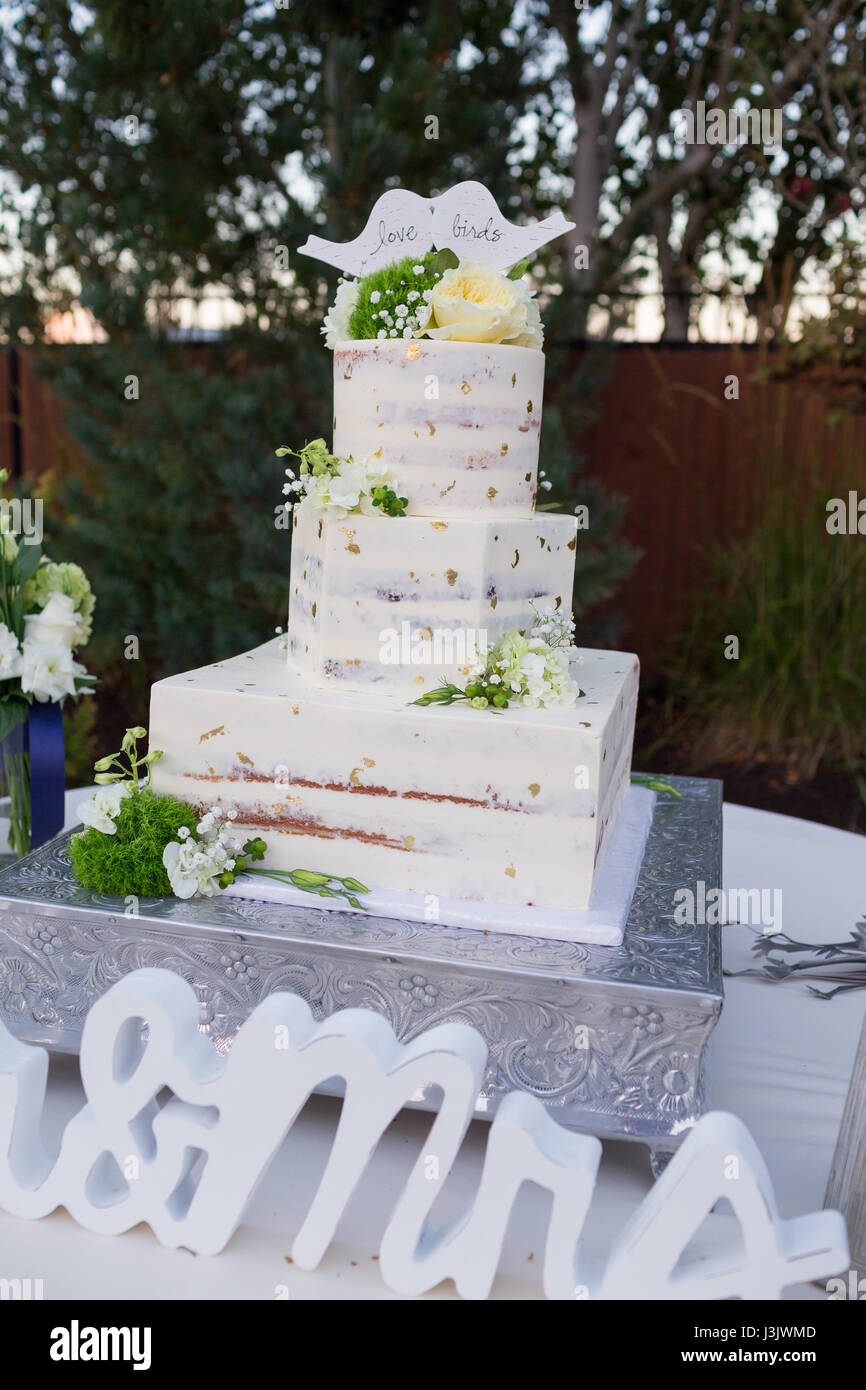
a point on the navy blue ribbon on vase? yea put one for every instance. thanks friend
(47, 771)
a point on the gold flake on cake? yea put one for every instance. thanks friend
(431, 427)
(212, 733)
(248, 762)
(465, 387)
(439, 526)
(492, 492)
(451, 576)
(511, 872)
(413, 351)
(408, 841)
(503, 449)
(534, 788)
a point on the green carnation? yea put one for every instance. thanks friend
(129, 862)
(70, 579)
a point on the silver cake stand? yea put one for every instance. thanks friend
(611, 1039)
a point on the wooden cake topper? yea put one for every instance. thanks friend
(466, 218)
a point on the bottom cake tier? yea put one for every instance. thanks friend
(515, 806)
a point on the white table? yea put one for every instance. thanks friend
(780, 1060)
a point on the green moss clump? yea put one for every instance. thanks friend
(393, 284)
(129, 862)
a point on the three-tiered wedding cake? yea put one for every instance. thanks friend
(421, 570)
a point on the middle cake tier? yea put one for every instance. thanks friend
(399, 603)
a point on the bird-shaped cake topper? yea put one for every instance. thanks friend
(465, 218)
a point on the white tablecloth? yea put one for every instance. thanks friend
(780, 1059)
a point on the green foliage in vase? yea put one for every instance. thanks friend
(129, 862)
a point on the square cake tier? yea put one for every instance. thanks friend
(515, 806)
(400, 605)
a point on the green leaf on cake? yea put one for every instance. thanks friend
(446, 259)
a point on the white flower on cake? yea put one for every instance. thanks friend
(48, 672)
(336, 323)
(476, 304)
(196, 866)
(334, 487)
(531, 669)
(10, 653)
(57, 625)
(102, 809)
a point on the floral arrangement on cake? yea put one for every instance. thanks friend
(143, 845)
(529, 669)
(334, 487)
(439, 297)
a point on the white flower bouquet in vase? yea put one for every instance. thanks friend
(46, 611)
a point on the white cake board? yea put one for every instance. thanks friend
(602, 924)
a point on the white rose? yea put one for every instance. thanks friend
(47, 672)
(102, 809)
(476, 304)
(10, 654)
(336, 324)
(58, 624)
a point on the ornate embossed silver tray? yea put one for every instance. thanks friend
(612, 1039)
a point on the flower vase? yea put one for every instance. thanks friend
(33, 778)
(15, 790)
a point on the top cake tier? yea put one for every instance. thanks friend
(456, 424)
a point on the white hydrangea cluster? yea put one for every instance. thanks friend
(196, 865)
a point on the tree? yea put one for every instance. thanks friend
(633, 185)
(158, 153)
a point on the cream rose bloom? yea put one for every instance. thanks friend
(476, 304)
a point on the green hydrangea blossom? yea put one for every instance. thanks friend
(52, 577)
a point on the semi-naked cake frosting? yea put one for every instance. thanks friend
(457, 424)
(316, 740)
